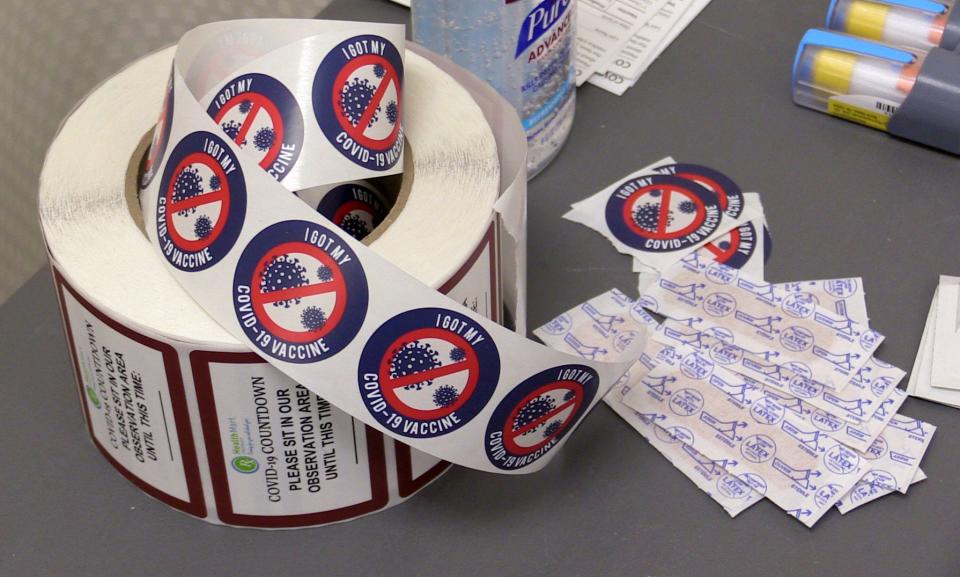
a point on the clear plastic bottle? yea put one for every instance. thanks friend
(523, 48)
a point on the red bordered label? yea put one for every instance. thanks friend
(280, 456)
(132, 395)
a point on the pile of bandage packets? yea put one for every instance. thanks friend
(752, 389)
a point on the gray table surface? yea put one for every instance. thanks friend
(841, 200)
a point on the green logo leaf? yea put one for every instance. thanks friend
(244, 464)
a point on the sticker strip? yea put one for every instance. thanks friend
(326, 310)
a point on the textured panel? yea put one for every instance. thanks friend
(53, 53)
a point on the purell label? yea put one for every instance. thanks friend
(538, 22)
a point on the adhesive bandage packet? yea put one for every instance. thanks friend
(845, 296)
(896, 454)
(733, 493)
(849, 408)
(665, 211)
(593, 330)
(603, 327)
(866, 492)
(891, 461)
(894, 462)
(718, 414)
(891, 446)
(848, 414)
(771, 323)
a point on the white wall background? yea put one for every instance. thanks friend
(52, 52)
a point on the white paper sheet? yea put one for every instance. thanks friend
(604, 27)
(644, 47)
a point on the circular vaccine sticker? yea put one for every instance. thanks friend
(535, 416)
(260, 115)
(427, 372)
(300, 292)
(356, 207)
(357, 100)
(734, 248)
(662, 213)
(202, 202)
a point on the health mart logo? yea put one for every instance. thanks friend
(91, 392)
(244, 464)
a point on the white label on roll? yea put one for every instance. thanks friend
(136, 418)
(279, 454)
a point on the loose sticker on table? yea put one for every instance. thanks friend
(736, 247)
(728, 192)
(662, 213)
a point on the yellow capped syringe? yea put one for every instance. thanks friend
(920, 24)
(908, 92)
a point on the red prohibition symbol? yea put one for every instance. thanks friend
(219, 195)
(258, 103)
(564, 413)
(722, 255)
(709, 184)
(350, 207)
(357, 131)
(669, 196)
(335, 286)
(467, 368)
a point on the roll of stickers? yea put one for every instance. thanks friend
(189, 381)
